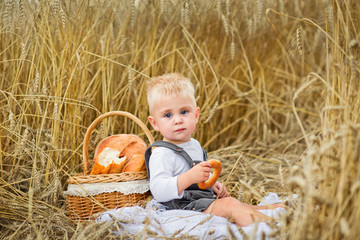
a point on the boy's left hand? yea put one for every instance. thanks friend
(220, 190)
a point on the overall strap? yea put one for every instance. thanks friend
(204, 154)
(175, 148)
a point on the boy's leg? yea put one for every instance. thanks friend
(269, 206)
(243, 214)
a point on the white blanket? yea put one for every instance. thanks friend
(151, 220)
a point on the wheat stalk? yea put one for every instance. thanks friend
(299, 40)
(55, 6)
(225, 23)
(232, 50)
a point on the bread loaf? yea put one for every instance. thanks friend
(118, 165)
(119, 153)
(104, 161)
(136, 164)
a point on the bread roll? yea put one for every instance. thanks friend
(216, 164)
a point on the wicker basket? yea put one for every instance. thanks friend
(86, 207)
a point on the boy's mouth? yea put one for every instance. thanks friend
(180, 130)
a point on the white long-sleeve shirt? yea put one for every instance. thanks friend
(165, 166)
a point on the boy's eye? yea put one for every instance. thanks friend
(183, 112)
(168, 115)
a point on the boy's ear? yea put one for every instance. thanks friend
(153, 123)
(197, 114)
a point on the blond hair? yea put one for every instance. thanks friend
(169, 84)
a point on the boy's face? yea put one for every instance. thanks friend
(175, 116)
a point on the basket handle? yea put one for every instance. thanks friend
(86, 163)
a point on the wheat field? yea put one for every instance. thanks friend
(277, 82)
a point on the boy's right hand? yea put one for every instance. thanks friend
(198, 173)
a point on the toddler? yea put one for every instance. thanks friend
(171, 163)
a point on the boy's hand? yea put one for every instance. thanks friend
(220, 190)
(200, 172)
(196, 174)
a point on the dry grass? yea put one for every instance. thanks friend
(277, 81)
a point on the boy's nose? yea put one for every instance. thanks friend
(177, 119)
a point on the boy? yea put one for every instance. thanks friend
(173, 180)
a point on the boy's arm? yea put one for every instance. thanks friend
(184, 181)
(163, 183)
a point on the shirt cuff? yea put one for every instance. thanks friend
(177, 190)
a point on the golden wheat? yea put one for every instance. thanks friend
(277, 83)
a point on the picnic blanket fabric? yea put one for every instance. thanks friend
(154, 222)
